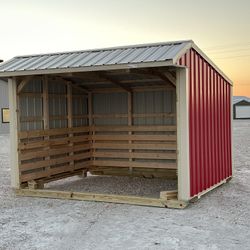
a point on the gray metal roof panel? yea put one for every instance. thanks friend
(237, 99)
(109, 56)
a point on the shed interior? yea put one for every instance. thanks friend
(117, 122)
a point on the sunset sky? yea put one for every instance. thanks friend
(221, 28)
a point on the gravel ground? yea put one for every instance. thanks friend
(220, 220)
(115, 185)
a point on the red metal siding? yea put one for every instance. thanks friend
(209, 124)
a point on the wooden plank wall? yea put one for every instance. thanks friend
(50, 153)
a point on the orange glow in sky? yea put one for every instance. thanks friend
(221, 28)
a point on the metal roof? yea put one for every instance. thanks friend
(143, 55)
(237, 99)
(97, 57)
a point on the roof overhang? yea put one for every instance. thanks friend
(184, 46)
(88, 69)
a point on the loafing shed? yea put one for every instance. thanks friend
(153, 110)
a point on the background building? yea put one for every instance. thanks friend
(241, 107)
(4, 107)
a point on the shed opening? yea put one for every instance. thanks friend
(113, 123)
(158, 111)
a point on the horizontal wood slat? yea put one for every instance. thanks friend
(145, 146)
(106, 163)
(51, 132)
(113, 147)
(142, 115)
(45, 153)
(133, 128)
(51, 162)
(52, 142)
(134, 138)
(149, 115)
(54, 171)
(133, 155)
(61, 131)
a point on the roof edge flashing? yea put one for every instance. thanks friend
(195, 47)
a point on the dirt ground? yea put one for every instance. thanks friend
(220, 220)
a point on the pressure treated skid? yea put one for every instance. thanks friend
(167, 199)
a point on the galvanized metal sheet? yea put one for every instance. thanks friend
(109, 56)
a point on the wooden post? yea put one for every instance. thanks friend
(45, 95)
(14, 127)
(90, 112)
(130, 122)
(45, 103)
(70, 120)
(90, 121)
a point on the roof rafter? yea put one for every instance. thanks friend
(74, 84)
(104, 76)
(167, 78)
(23, 83)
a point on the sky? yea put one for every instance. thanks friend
(221, 28)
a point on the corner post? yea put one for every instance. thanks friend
(182, 105)
(14, 166)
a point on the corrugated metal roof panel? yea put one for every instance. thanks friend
(109, 56)
(237, 99)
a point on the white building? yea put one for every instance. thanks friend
(241, 107)
(4, 108)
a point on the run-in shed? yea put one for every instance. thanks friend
(151, 110)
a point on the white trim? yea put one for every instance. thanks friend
(182, 134)
(87, 69)
(190, 45)
(15, 182)
(182, 52)
(195, 47)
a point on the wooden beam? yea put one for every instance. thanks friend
(70, 117)
(90, 121)
(73, 83)
(46, 113)
(170, 77)
(113, 81)
(130, 122)
(166, 76)
(122, 199)
(45, 103)
(23, 83)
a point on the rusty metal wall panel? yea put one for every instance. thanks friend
(209, 124)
